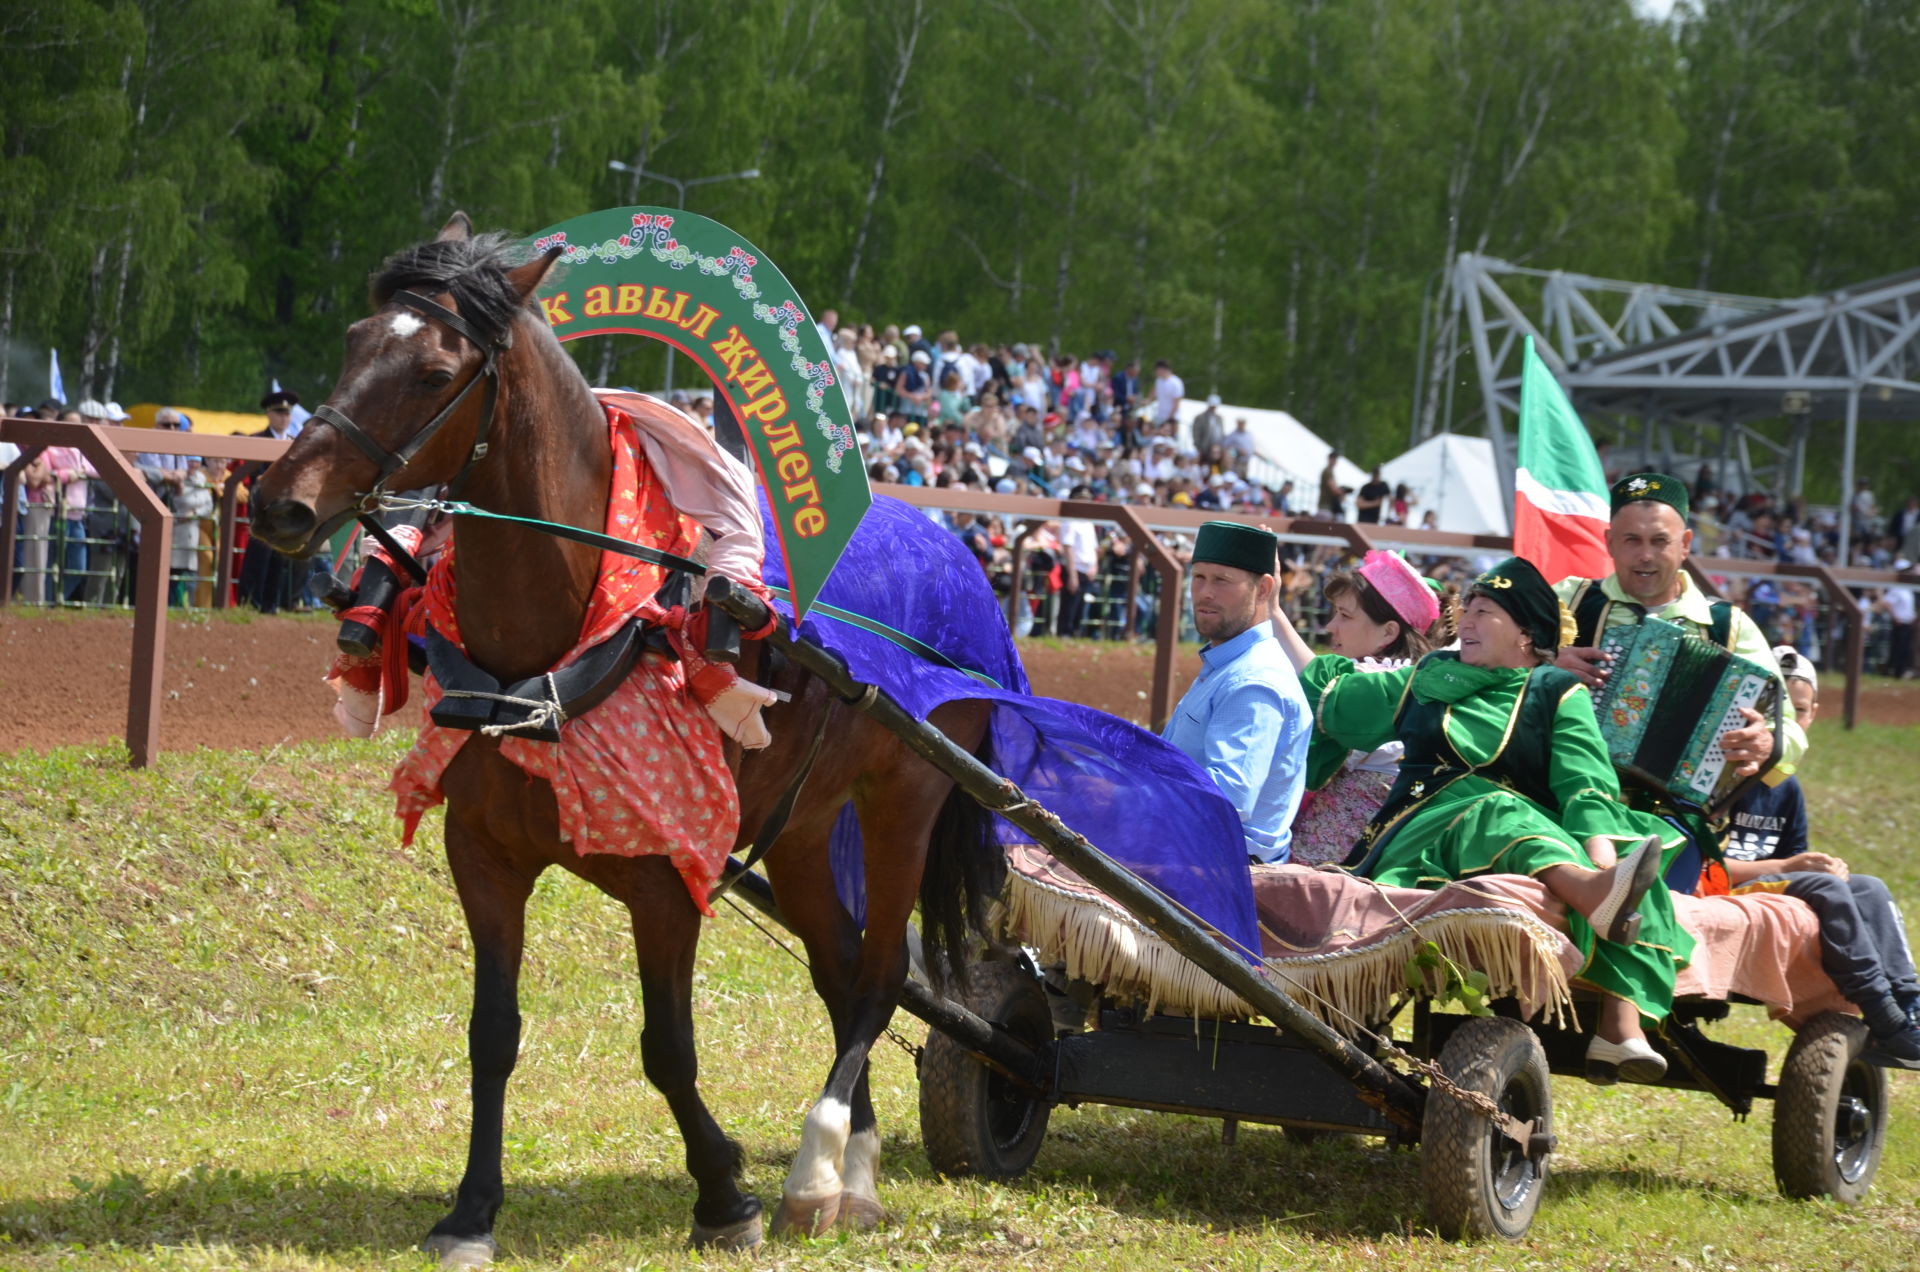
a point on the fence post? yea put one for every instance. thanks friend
(223, 562)
(1166, 632)
(150, 592)
(1856, 646)
(1016, 595)
(11, 493)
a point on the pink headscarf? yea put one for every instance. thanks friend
(1404, 591)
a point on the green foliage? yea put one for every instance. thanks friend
(232, 1034)
(192, 192)
(1451, 985)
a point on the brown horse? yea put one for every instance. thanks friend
(521, 600)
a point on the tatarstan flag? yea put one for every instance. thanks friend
(1559, 492)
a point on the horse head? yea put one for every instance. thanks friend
(416, 393)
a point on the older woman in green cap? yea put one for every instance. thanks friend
(1505, 772)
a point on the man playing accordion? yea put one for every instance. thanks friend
(1649, 541)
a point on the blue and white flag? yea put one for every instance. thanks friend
(55, 388)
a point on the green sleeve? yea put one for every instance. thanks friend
(1325, 758)
(1582, 776)
(1747, 640)
(1354, 711)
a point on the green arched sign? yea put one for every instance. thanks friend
(700, 287)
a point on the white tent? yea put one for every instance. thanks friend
(1284, 450)
(1456, 477)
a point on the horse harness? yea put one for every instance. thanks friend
(390, 462)
(535, 707)
(474, 699)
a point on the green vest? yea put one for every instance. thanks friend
(1590, 606)
(1431, 764)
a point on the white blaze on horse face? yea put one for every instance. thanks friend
(823, 1146)
(405, 324)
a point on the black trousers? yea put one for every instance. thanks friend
(1863, 942)
(1073, 603)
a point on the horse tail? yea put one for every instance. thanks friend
(964, 872)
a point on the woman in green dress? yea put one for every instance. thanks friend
(1505, 772)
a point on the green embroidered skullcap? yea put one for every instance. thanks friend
(1651, 488)
(1243, 547)
(1521, 590)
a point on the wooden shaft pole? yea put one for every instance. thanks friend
(1398, 1100)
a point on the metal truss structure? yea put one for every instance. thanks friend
(1691, 371)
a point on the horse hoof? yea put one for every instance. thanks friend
(461, 1252)
(863, 1214)
(806, 1217)
(743, 1234)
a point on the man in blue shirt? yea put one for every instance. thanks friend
(1245, 720)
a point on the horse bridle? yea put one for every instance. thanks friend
(390, 462)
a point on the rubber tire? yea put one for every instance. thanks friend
(1465, 1163)
(1822, 1067)
(974, 1122)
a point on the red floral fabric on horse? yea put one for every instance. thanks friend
(643, 772)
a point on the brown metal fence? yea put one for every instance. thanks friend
(147, 575)
(1142, 599)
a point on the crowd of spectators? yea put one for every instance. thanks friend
(1756, 526)
(76, 544)
(1732, 527)
(1012, 419)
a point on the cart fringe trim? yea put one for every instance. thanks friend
(1348, 988)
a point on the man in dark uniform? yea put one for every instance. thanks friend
(266, 580)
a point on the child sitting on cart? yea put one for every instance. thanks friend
(1863, 943)
(1505, 772)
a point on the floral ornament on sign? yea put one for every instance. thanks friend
(652, 233)
(789, 318)
(737, 266)
(649, 233)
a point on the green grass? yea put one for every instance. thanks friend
(232, 1015)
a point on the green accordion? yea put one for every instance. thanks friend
(1668, 698)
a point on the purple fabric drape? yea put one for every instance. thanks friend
(1133, 796)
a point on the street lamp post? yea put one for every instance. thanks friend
(680, 189)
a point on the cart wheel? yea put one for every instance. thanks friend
(973, 1121)
(1478, 1182)
(1830, 1114)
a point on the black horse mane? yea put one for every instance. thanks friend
(474, 269)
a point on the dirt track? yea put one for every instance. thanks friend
(250, 681)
